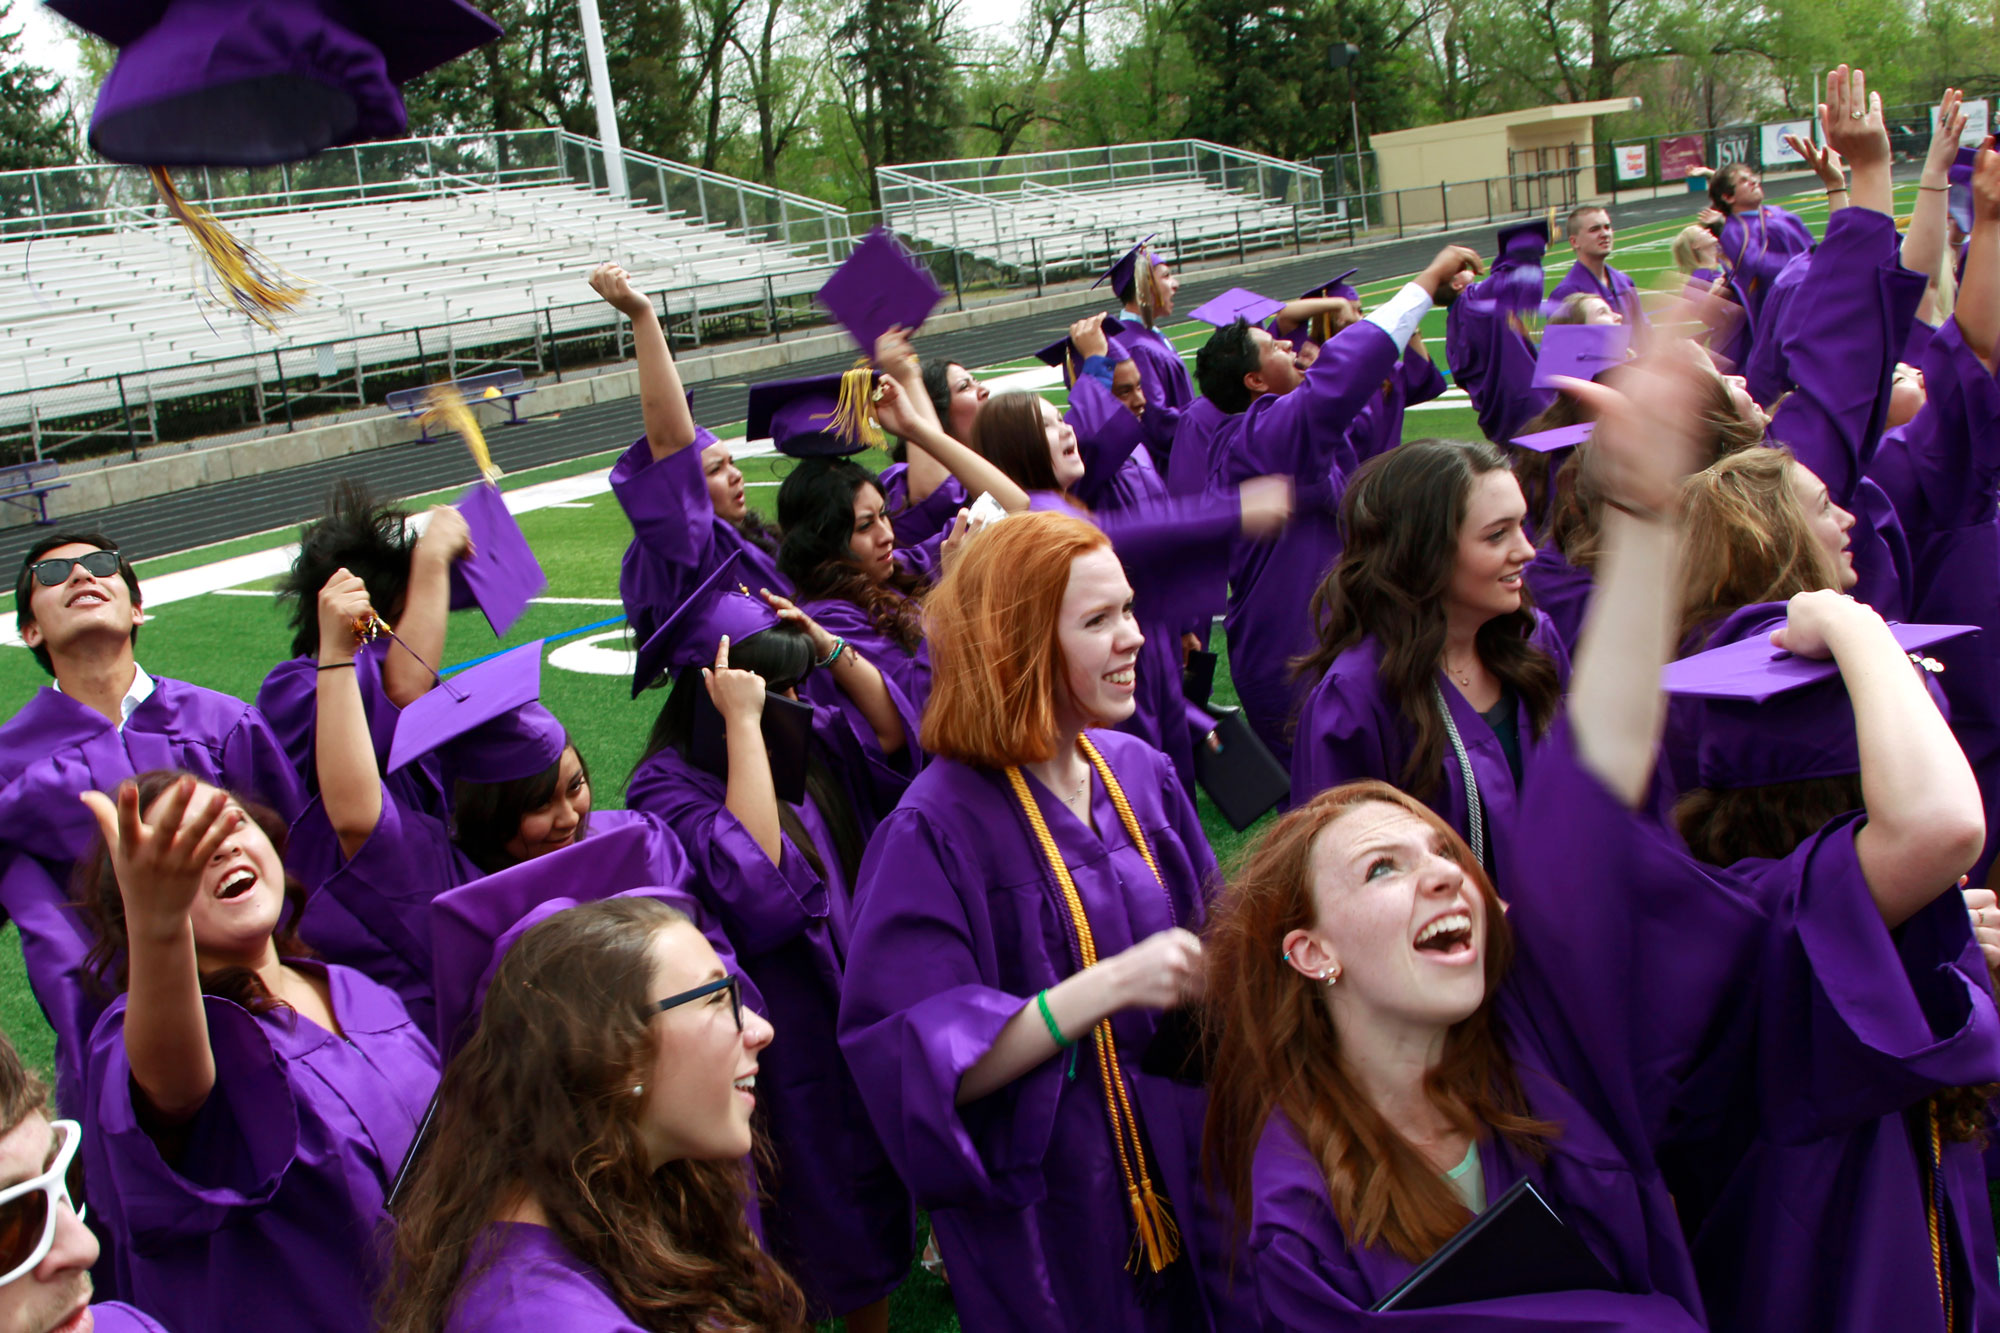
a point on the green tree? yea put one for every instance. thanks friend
(898, 80)
(37, 127)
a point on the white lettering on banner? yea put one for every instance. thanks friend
(1776, 151)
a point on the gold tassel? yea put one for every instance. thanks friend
(1323, 327)
(254, 287)
(1156, 1232)
(444, 409)
(854, 417)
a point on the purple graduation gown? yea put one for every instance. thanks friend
(1561, 590)
(523, 1280)
(1379, 426)
(839, 1220)
(917, 523)
(1490, 357)
(1168, 387)
(1847, 325)
(1189, 469)
(1617, 290)
(958, 925)
(1626, 952)
(1756, 246)
(907, 671)
(270, 1216)
(1300, 435)
(677, 539)
(1818, 1221)
(116, 1317)
(1118, 470)
(53, 750)
(1767, 373)
(1737, 347)
(1348, 729)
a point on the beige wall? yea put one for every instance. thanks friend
(1476, 149)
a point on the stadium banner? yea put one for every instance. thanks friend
(1978, 122)
(1632, 162)
(1731, 146)
(1776, 151)
(1679, 156)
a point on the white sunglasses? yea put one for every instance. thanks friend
(28, 1210)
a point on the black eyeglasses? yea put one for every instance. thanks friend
(731, 984)
(55, 571)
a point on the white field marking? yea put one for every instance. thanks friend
(575, 601)
(245, 592)
(569, 504)
(585, 657)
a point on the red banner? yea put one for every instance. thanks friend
(1679, 155)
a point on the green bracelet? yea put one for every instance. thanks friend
(1042, 1003)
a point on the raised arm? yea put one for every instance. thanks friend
(894, 410)
(1978, 309)
(1827, 166)
(1851, 122)
(1925, 824)
(350, 787)
(1297, 314)
(1924, 242)
(663, 404)
(159, 867)
(408, 668)
(894, 358)
(858, 678)
(750, 794)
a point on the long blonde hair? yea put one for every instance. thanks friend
(1747, 538)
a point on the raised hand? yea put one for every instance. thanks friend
(1811, 619)
(615, 286)
(160, 864)
(1710, 217)
(737, 695)
(342, 602)
(1089, 337)
(446, 537)
(785, 610)
(893, 410)
(1986, 184)
(1266, 504)
(893, 354)
(1825, 162)
(1943, 150)
(1851, 119)
(1649, 435)
(1448, 263)
(963, 528)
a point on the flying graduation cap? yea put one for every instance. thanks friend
(256, 83)
(501, 575)
(1580, 351)
(1514, 284)
(879, 287)
(1234, 304)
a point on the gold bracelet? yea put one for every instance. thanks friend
(1922, 186)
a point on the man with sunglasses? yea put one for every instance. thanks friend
(77, 608)
(45, 1249)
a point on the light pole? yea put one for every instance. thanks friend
(600, 93)
(1343, 55)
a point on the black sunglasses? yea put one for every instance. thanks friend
(731, 984)
(54, 572)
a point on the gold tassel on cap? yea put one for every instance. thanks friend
(444, 409)
(251, 284)
(854, 416)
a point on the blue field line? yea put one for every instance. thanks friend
(552, 638)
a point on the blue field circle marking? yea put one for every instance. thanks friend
(547, 639)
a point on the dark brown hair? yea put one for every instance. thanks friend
(22, 1092)
(816, 511)
(1722, 184)
(1274, 1046)
(1399, 525)
(1008, 432)
(95, 888)
(485, 816)
(539, 1105)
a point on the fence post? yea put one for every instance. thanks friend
(1178, 261)
(35, 428)
(555, 351)
(1444, 204)
(1489, 198)
(125, 410)
(1298, 246)
(957, 280)
(1035, 248)
(1399, 215)
(771, 307)
(284, 392)
(1239, 236)
(423, 363)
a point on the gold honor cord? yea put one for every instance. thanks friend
(1934, 1212)
(445, 409)
(251, 285)
(1158, 1240)
(854, 414)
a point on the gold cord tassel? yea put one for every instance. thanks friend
(1323, 327)
(251, 284)
(444, 409)
(854, 417)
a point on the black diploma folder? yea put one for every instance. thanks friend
(1517, 1247)
(788, 729)
(1242, 776)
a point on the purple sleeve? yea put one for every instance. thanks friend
(288, 704)
(1106, 435)
(917, 523)
(1847, 324)
(236, 1150)
(666, 501)
(761, 905)
(390, 881)
(1952, 448)
(1422, 380)
(1627, 950)
(117, 1317)
(917, 1011)
(1175, 551)
(1343, 733)
(54, 943)
(1494, 363)
(255, 763)
(1299, 434)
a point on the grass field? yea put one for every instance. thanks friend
(228, 640)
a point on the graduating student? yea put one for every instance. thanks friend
(103, 720)
(922, 493)
(1145, 285)
(1486, 344)
(776, 863)
(1027, 910)
(1107, 404)
(1394, 1050)
(585, 1171)
(45, 1249)
(1310, 321)
(678, 485)
(1291, 422)
(1432, 671)
(1590, 235)
(1757, 238)
(409, 577)
(247, 1107)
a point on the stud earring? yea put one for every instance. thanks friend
(1331, 975)
(639, 1090)
(1285, 957)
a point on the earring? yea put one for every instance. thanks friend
(639, 1090)
(1285, 957)
(1331, 975)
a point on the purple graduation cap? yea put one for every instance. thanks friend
(260, 82)
(724, 603)
(1562, 437)
(1580, 351)
(1768, 716)
(1123, 273)
(502, 573)
(1339, 287)
(1062, 352)
(1234, 304)
(474, 925)
(822, 416)
(879, 287)
(1515, 283)
(485, 721)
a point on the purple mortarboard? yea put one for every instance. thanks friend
(1234, 304)
(1767, 716)
(703, 436)
(1562, 437)
(1515, 284)
(1062, 352)
(264, 82)
(474, 925)
(1580, 351)
(823, 416)
(502, 573)
(1121, 274)
(879, 287)
(1339, 287)
(725, 603)
(1958, 199)
(485, 721)
(1522, 243)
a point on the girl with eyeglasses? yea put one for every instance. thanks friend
(248, 1106)
(586, 1167)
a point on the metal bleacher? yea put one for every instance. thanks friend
(1062, 212)
(102, 297)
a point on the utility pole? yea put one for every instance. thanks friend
(600, 93)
